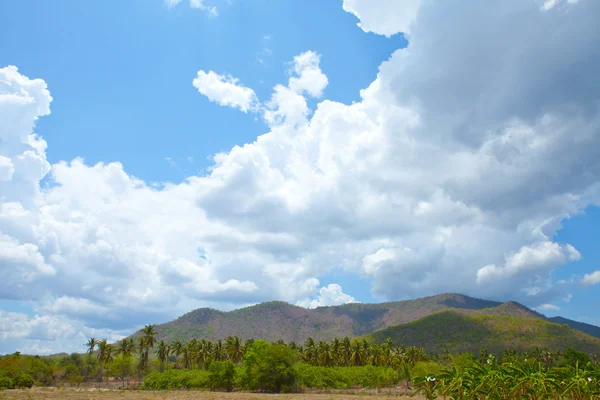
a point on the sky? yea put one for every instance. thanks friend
(160, 156)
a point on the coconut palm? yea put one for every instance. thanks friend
(148, 334)
(346, 350)
(177, 348)
(162, 353)
(234, 348)
(104, 356)
(125, 349)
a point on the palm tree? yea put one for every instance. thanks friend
(163, 354)
(104, 356)
(336, 350)
(125, 349)
(346, 350)
(356, 357)
(233, 347)
(148, 333)
(177, 348)
(310, 353)
(141, 347)
(91, 345)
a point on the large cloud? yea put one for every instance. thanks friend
(452, 173)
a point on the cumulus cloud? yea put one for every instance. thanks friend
(591, 278)
(529, 259)
(225, 90)
(200, 4)
(330, 295)
(387, 18)
(438, 179)
(45, 334)
(548, 307)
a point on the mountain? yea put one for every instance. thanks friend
(449, 320)
(279, 320)
(580, 326)
(457, 331)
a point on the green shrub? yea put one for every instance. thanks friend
(423, 368)
(345, 377)
(270, 367)
(6, 382)
(222, 375)
(177, 379)
(23, 381)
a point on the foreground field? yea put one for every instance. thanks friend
(99, 394)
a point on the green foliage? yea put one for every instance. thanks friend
(520, 378)
(424, 368)
(222, 375)
(572, 357)
(345, 377)
(23, 381)
(270, 367)
(465, 330)
(6, 382)
(177, 379)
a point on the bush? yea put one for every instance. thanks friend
(345, 377)
(23, 381)
(222, 375)
(270, 367)
(6, 382)
(177, 379)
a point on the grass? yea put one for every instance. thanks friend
(99, 394)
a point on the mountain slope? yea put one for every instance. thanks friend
(591, 330)
(458, 331)
(279, 320)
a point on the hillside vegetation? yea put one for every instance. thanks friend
(459, 331)
(278, 320)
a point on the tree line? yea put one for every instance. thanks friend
(342, 363)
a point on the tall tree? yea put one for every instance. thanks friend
(91, 345)
(148, 333)
(234, 348)
(177, 348)
(125, 349)
(104, 356)
(163, 354)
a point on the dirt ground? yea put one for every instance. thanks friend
(107, 394)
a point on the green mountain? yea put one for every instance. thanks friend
(279, 320)
(457, 330)
(591, 330)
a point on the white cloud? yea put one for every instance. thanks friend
(591, 278)
(309, 78)
(225, 90)
(46, 334)
(433, 174)
(330, 295)
(387, 18)
(172, 3)
(212, 10)
(199, 4)
(548, 307)
(7, 169)
(529, 259)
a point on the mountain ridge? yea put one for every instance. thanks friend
(280, 320)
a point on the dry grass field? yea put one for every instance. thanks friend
(104, 394)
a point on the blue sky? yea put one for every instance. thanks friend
(462, 159)
(97, 57)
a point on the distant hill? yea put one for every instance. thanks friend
(580, 326)
(457, 331)
(417, 321)
(279, 320)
